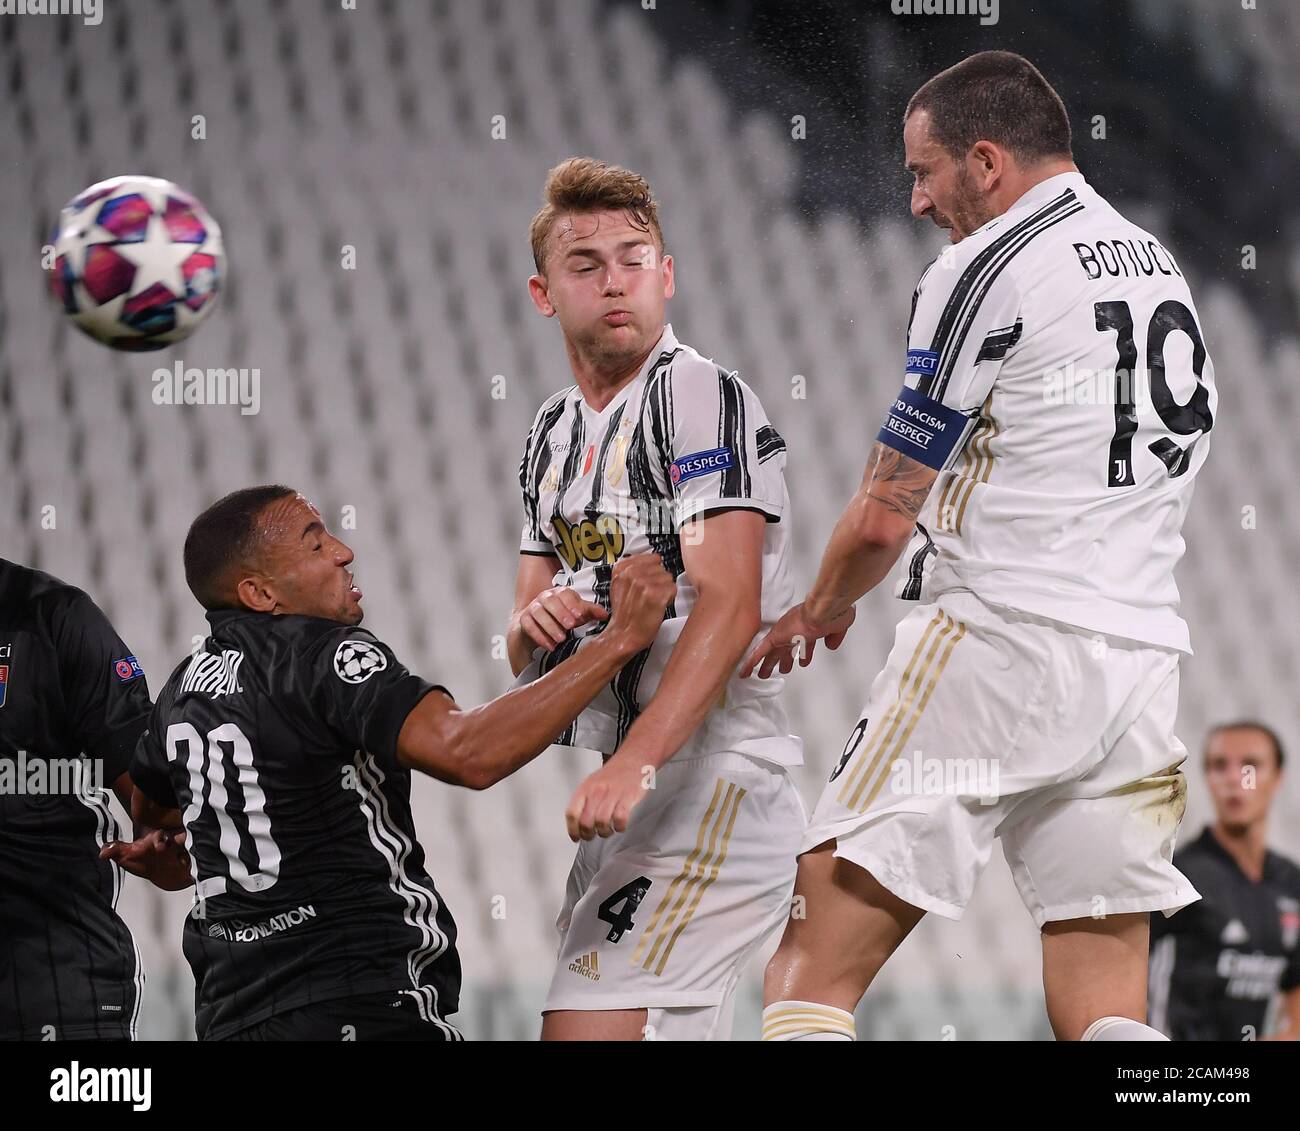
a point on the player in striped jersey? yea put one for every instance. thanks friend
(654, 448)
(1056, 409)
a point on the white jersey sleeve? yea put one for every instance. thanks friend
(966, 317)
(720, 448)
(1065, 338)
(533, 468)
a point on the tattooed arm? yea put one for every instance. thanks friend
(864, 546)
(871, 533)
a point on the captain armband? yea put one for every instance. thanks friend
(923, 429)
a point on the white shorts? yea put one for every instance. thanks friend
(665, 915)
(987, 722)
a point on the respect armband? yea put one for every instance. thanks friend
(923, 429)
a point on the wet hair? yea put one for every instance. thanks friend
(583, 184)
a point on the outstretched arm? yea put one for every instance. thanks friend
(480, 746)
(863, 548)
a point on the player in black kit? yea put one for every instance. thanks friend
(1221, 967)
(73, 702)
(287, 741)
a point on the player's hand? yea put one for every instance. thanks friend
(603, 803)
(553, 614)
(158, 856)
(792, 638)
(640, 590)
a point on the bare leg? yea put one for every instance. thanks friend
(1094, 968)
(851, 926)
(594, 1025)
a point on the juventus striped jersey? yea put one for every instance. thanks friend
(683, 438)
(1068, 338)
(277, 741)
(73, 701)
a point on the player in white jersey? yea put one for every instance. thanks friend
(1056, 408)
(689, 829)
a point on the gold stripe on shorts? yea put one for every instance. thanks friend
(906, 711)
(701, 866)
(869, 756)
(901, 745)
(704, 880)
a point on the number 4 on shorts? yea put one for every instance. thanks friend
(630, 896)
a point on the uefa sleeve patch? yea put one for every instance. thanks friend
(127, 669)
(699, 463)
(355, 661)
(924, 363)
(923, 429)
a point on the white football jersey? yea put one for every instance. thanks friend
(683, 438)
(1067, 338)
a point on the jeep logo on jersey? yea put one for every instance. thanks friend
(592, 540)
(355, 661)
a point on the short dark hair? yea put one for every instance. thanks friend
(1250, 724)
(995, 96)
(223, 537)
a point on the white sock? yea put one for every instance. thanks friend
(807, 1021)
(1121, 1029)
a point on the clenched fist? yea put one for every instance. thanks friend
(640, 592)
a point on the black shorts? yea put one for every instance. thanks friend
(373, 1017)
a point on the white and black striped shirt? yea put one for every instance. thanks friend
(683, 438)
(1068, 337)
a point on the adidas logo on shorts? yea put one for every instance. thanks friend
(587, 966)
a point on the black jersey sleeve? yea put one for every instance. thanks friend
(149, 770)
(103, 684)
(363, 692)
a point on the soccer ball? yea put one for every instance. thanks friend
(138, 263)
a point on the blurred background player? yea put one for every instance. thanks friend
(287, 742)
(1045, 651)
(73, 702)
(1228, 967)
(654, 447)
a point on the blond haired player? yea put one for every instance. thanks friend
(687, 832)
(1056, 409)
